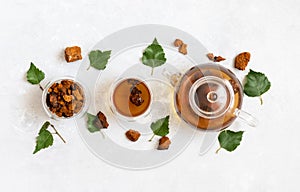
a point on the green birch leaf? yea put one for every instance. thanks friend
(153, 55)
(161, 126)
(44, 139)
(230, 140)
(34, 74)
(256, 84)
(99, 59)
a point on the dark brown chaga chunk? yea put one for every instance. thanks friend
(211, 57)
(164, 143)
(101, 122)
(219, 59)
(242, 60)
(132, 135)
(135, 96)
(73, 54)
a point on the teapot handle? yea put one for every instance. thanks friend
(246, 117)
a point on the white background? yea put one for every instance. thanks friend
(38, 31)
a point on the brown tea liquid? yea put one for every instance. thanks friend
(122, 94)
(206, 95)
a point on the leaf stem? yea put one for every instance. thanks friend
(41, 87)
(151, 138)
(152, 70)
(88, 67)
(218, 150)
(57, 133)
(261, 100)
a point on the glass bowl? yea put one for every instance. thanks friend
(85, 104)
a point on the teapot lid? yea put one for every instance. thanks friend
(211, 96)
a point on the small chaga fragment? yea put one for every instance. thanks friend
(178, 42)
(135, 96)
(66, 83)
(77, 95)
(73, 54)
(182, 46)
(78, 106)
(132, 135)
(164, 143)
(101, 122)
(183, 49)
(218, 58)
(241, 60)
(68, 98)
(211, 57)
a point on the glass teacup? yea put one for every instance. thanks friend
(130, 98)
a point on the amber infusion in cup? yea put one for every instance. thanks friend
(131, 98)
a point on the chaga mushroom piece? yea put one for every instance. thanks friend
(178, 42)
(164, 143)
(210, 56)
(132, 135)
(101, 121)
(219, 59)
(183, 49)
(67, 98)
(73, 54)
(135, 96)
(241, 60)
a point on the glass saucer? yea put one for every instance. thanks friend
(127, 46)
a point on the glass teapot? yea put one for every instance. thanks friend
(209, 96)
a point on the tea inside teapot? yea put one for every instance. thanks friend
(207, 96)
